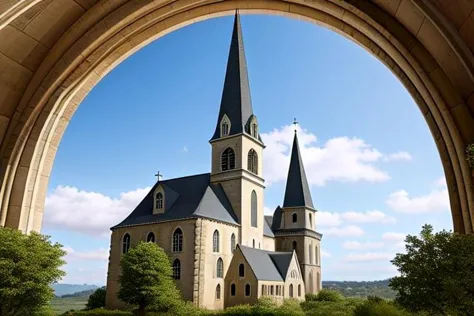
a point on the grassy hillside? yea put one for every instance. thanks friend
(64, 304)
(361, 289)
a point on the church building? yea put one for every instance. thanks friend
(224, 251)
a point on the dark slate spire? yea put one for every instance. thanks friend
(236, 102)
(297, 190)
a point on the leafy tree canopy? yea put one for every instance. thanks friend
(97, 299)
(436, 273)
(29, 265)
(146, 279)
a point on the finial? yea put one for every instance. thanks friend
(295, 122)
(158, 176)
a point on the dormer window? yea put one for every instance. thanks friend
(253, 127)
(225, 126)
(159, 200)
(254, 130)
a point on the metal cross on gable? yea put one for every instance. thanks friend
(158, 176)
(295, 122)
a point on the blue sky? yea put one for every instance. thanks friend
(374, 170)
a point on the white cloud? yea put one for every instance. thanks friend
(368, 217)
(185, 149)
(325, 254)
(341, 159)
(343, 231)
(398, 156)
(267, 210)
(88, 212)
(436, 200)
(369, 256)
(394, 237)
(100, 254)
(356, 245)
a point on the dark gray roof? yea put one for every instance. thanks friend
(236, 102)
(267, 231)
(297, 190)
(187, 197)
(267, 265)
(276, 219)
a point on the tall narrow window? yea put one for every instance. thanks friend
(225, 128)
(291, 290)
(316, 261)
(177, 240)
(232, 242)
(254, 130)
(228, 159)
(220, 268)
(263, 289)
(311, 282)
(150, 237)
(294, 217)
(310, 221)
(253, 243)
(232, 289)
(176, 269)
(310, 253)
(159, 200)
(126, 243)
(294, 245)
(215, 241)
(241, 270)
(247, 289)
(218, 292)
(253, 209)
(299, 290)
(318, 281)
(252, 161)
(271, 289)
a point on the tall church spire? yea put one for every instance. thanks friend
(236, 103)
(297, 192)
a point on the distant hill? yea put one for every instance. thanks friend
(61, 289)
(362, 288)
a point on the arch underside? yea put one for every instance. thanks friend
(55, 51)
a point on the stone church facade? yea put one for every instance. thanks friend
(223, 250)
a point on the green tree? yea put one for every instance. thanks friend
(29, 264)
(97, 299)
(146, 279)
(436, 273)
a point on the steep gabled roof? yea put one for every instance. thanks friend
(189, 197)
(236, 102)
(276, 219)
(267, 231)
(297, 192)
(266, 265)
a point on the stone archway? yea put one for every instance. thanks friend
(52, 52)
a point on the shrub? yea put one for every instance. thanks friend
(239, 310)
(379, 307)
(329, 296)
(98, 312)
(311, 297)
(96, 299)
(326, 308)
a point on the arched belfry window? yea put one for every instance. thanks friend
(215, 241)
(178, 240)
(176, 269)
(126, 243)
(228, 159)
(253, 209)
(220, 268)
(150, 237)
(159, 200)
(310, 253)
(225, 126)
(310, 221)
(252, 161)
(294, 217)
(232, 242)
(294, 245)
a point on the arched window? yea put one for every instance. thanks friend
(215, 241)
(225, 126)
(311, 282)
(228, 159)
(253, 209)
(150, 237)
(247, 289)
(126, 243)
(218, 292)
(252, 161)
(241, 270)
(316, 261)
(176, 269)
(159, 200)
(254, 130)
(291, 290)
(310, 221)
(294, 245)
(294, 217)
(311, 253)
(232, 242)
(232, 289)
(299, 290)
(178, 240)
(220, 268)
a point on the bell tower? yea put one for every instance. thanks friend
(294, 223)
(237, 148)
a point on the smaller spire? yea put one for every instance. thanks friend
(297, 192)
